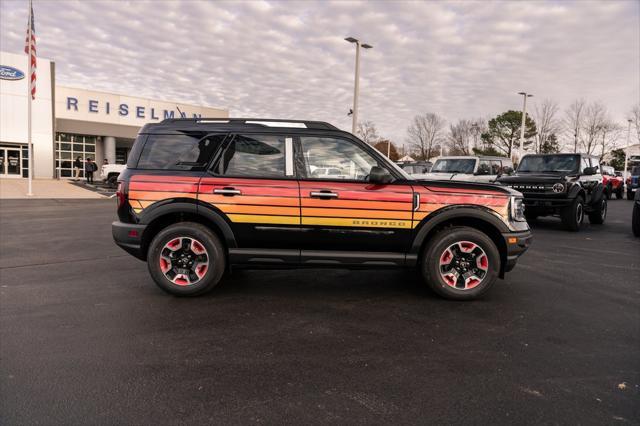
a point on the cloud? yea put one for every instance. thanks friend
(289, 59)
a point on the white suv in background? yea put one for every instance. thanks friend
(468, 168)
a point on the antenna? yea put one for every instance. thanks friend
(181, 113)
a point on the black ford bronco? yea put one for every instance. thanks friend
(202, 196)
(568, 185)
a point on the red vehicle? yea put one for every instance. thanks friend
(613, 183)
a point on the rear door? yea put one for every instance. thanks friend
(341, 211)
(252, 184)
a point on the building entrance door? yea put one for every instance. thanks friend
(10, 162)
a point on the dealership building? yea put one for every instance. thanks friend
(70, 122)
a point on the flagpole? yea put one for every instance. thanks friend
(29, 96)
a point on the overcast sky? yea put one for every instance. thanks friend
(289, 59)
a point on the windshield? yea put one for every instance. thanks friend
(635, 171)
(549, 164)
(454, 165)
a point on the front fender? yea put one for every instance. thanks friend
(456, 212)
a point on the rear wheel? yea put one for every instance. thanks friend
(620, 193)
(598, 215)
(460, 263)
(573, 215)
(186, 259)
(629, 194)
(635, 220)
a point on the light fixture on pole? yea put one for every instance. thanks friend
(525, 95)
(356, 86)
(626, 157)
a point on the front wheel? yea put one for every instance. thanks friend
(599, 214)
(460, 263)
(186, 259)
(629, 194)
(573, 215)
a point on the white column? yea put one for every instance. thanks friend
(109, 144)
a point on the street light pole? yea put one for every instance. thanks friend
(356, 84)
(626, 157)
(525, 95)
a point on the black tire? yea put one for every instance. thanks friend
(608, 191)
(620, 193)
(629, 195)
(112, 181)
(215, 255)
(573, 215)
(598, 215)
(635, 220)
(441, 242)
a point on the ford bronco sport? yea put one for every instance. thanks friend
(199, 197)
(568, 185)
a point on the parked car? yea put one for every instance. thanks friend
(199, 197)
(633, 181)
(635, 218)
(416, 167)
(612, 182)
(568, 185)
(109, 173)
(468, 168)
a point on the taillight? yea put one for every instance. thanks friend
(120, 194)
(629, 180)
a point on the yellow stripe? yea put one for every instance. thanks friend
(357, 222)
(251, 218)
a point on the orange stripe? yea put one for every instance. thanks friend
(243, 199)
(364, 214)
(354, 204)
(264, 210)
(155, 196)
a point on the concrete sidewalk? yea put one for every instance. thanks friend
(43, 188)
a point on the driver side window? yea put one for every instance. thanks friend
(335, 159)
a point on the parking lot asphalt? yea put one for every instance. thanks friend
(87, 338)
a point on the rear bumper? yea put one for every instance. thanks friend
(517, 243)
(129, 237)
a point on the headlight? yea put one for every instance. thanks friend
(517, 209)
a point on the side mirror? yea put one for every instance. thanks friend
(380, 176)
(589, 171)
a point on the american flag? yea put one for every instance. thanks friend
(30, 48)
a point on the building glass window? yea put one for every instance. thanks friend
(71, 146)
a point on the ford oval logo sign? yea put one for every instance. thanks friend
(10, 73)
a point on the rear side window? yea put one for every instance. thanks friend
(178, 152)
(253, 156)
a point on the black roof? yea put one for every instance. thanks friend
(234, 124)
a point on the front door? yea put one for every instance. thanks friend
(10, 162)
(340, 210)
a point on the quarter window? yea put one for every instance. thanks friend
(254, 156)
(335, 159)
(178, 152)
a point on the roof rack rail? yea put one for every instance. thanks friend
(265, 122)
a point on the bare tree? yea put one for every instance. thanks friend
(546, 123)
(610, 131)
(461, 137)
(595, 120)
(367, 132)
(425, 132)
(635, 121)
(574, 116)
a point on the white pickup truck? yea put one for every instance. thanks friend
(109, 173)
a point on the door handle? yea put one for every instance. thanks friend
(228, 192)
(323, 194)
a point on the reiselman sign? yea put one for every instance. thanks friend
(125, 109)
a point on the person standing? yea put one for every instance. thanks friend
(89, 168)
(77, 166)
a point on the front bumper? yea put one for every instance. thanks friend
(548, 203)
(129, 237)
(517, 243)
